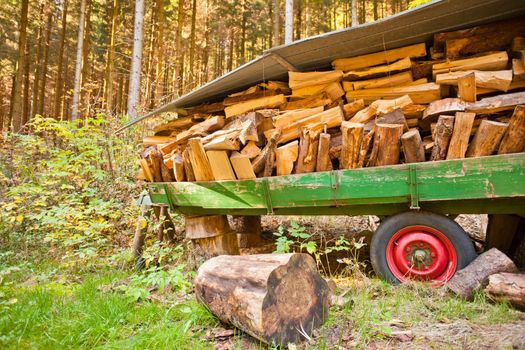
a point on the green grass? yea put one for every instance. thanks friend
(57, 316)
(46, 307)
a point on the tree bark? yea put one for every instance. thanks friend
(110, 57)
(487, 138)
(476, 275)
(413, 147)
(324, 163)
(43, 90)
(276, 23)
(38, 64)
(192, 35)
(272, 297)
(308, 146)
(514, 139)
(288, 26)
(17, 102)
(78, 63)
(59, 81)
(136, 60)
(508, 287)
(355, 22)
(212, 235)
(248, 229)
(443, 134)
(386, 146)
(352, 134)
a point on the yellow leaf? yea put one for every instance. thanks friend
(20, 218)
(143, 223)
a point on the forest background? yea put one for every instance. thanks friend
(185, 43)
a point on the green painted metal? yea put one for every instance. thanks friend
(492, 185)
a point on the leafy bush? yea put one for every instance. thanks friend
(68, 189)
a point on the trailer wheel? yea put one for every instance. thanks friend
(420, 246)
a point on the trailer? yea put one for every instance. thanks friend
(417, 238)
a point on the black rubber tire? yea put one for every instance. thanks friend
(458, 237)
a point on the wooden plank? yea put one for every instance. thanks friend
(220, 165)
(298, 80)
(460, 135)
(467, 87)
(388, 81)
(422, 94)
(499, 80)
(373, 72)
(199, 160)
(492, 61)
(383, 57)
(242, 166)
(252, 105)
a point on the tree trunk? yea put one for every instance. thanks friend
(299, 19)
(59, 82)
(276, 22)
(43, 90)
(26, 92)
(355, 22)
(212, 236)
(272, 297)
(78, 63)
(443, 134)
(38, 64)
(192, 35)
(85, 93)
(110, 57)
(477, 273)
(136, 60)
(17, 102)
(179, 69)
(508, 287)
(288, 26)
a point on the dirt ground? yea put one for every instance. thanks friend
(446, 334)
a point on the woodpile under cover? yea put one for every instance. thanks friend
(462, 97)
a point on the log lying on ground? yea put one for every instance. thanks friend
(477, 273)
(514, 139)
(383, 57)
(272, 297)
(508, 287)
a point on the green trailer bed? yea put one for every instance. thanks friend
(491, 185)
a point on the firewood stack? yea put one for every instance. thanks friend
(462, 97)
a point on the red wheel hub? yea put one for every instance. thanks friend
(421, 253)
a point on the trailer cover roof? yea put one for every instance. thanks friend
(317, 52)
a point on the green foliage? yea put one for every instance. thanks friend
(69, 188)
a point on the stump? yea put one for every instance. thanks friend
(248, 229)
(476, 275)
(272, 297)
(212, 235)
(507, 287)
